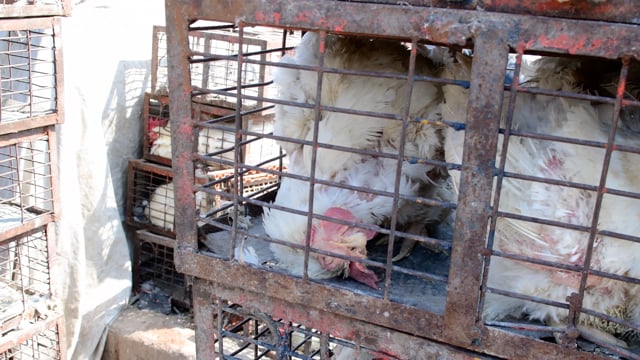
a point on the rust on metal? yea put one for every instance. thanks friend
(368, 316)
(476, 181)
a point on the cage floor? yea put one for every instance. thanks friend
(405, 288)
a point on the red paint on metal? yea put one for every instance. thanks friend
(303, 17)
(571, 45)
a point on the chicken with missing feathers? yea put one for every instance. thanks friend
(355, 93)
(575, 207)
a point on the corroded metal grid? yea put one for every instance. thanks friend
(26, 280)
(262, 330)
(150, 194)
(150, 200)
(30, 73)
(216, 45)
(156, 146)
(40, 341)
(21, 8)
(432, 295)
(154, 266)
(27, 180)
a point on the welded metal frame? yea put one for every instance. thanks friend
(57, 116)
(9, 9)
(492, 34)
(39, 134)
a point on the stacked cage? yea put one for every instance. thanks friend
(464, 176)
(150, 195)
(31, 325)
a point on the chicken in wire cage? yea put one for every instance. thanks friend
(564, 195)
(517, 177)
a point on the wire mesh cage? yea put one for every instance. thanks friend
(157, 136)
(41, 342)
(150, 195)
(21, 8)
(245, 334)
(155, 276)
(30, 68)
(27, 181)
(504, 155)
(216, 45)
(25, 276)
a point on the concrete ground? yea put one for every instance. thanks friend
(144, 334)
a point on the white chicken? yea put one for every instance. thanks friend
(372, 94)
(561, 161)
(160, 209)
(209, 141)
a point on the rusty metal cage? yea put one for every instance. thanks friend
(24, 268)
(31, 73)
(38, 342)
(156, 146)
(27, 180)
(254, 332)
(498, 166)
(217, 46)
(153, 265)
(20, 8)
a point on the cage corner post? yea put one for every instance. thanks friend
(476, 181)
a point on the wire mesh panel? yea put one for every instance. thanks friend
(26, 181)
(155, 276)
(216, 44)
(433, 169)
(157, 136)
(24, 8)
(38, 342)
(30, 66)
(25, 278)
(151, 199)
(242, 334)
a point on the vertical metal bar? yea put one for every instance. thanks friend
(476, 182)
(500, 176)
(237, 186)
(203, 316)
(30, 67)
(62, 343)
(155, 61)
(602, 189)
(53, 171)
(182, 134)
(206, 67)
(399, 164)
(314, 150)
(58, 66)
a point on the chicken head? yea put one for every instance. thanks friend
(344, 240)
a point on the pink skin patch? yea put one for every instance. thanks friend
(342, 239)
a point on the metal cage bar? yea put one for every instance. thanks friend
(491, 35)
